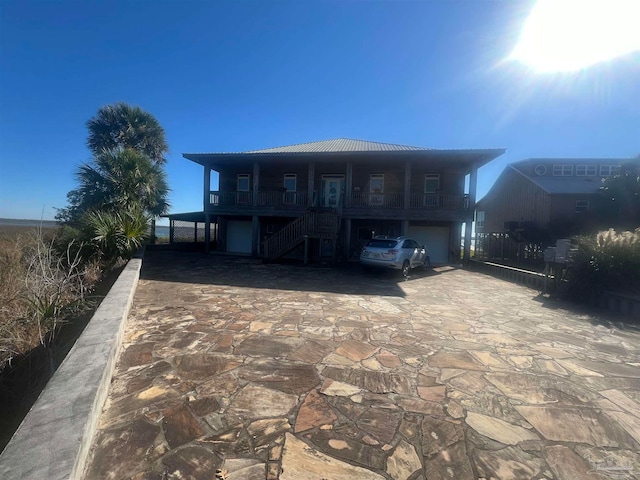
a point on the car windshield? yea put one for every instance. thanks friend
(381, 243)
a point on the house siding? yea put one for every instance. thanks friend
(272, 177)
(564, 206)
(514, 199)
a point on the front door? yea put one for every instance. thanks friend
(332, 188)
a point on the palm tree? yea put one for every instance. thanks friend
(124, 126)
(120, 179)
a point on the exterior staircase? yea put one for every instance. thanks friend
(310, 225)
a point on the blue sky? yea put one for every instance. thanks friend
(241, 75)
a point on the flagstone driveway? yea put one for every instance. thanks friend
(235, 369)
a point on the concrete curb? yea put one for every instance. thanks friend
(53, 440)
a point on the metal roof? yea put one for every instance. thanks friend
(557, 185)
(340, 145)
(571, 161)
(341, 148)
(567, 185)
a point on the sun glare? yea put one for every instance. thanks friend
(568, 35)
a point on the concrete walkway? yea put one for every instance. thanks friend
(232, 369)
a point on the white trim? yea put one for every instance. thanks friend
(608, 170)
(586, 170)
(562, 170)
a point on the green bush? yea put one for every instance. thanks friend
(606, 261)
(115, 236)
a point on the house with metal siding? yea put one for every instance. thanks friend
(533, 195)
(325, 199)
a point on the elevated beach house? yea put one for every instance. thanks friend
(324, 200)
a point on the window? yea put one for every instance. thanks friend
(431, 186)
(382, 243)
(431, 182)
(586, 170)
(410, 244)
(243, 182)
(562, 170)
(376, 189)
(480, 219)
(290, 184)
(582, 206)
(607, 170)
(541, 170)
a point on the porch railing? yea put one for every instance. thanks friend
(264, 199)
(438, 201)
(384, 200)
(298, 199)
(279, 198)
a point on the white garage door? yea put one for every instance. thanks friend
(436, 240)
(239, 236)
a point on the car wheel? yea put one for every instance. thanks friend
(427, 263)
(406, 268)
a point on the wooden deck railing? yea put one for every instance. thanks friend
(265, 199)
(438, 200)
(312, 224)
(279, 198)
(384, 200)
(297, 200)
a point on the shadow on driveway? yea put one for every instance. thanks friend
(231, 271)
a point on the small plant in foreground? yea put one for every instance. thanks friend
(606, 261)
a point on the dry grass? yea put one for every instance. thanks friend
(38, 288)
(17, 335)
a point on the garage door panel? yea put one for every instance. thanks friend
(436, 239)
(239, 234)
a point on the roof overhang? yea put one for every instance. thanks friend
(451, 158)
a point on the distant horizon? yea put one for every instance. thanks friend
(31, 220)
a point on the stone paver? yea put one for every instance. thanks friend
(232, 369)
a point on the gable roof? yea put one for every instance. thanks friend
(568, 185)
(340, 145)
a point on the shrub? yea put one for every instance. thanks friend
(605, 261)
(115, 236)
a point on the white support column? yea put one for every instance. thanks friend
(473, 180)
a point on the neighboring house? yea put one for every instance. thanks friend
(544, 198)
(326, 199)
